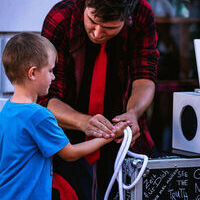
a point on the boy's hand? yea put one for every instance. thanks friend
(119, 129)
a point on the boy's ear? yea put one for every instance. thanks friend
(32, 72)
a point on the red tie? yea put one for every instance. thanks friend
(97, 92)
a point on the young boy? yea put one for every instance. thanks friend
(29, 133)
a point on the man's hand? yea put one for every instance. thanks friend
(99, 126)
(131, 120)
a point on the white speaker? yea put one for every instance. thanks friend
(186, 116)
(186, 121)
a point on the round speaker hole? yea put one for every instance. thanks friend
(189, 122)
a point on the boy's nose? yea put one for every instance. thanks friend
(53, 77)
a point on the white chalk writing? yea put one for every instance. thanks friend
(197, 188)
(178, 194)
(197, 174)
(172, 175)
(182, 173)
(182, 182)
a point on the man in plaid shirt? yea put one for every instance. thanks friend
(78, 28)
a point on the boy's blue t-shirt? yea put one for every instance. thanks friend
(29, 136)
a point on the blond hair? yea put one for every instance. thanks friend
(23, 51)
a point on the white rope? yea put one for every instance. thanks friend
(123, 151)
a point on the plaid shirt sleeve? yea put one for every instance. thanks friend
(144, 55)
(55, 29)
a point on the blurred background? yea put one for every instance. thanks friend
(178, 24)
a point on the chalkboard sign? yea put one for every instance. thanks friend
(164, 179)
(172, 184)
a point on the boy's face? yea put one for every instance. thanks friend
(100, 32)
(45, 75)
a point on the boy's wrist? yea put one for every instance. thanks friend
(106, 141)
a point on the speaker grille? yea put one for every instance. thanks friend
(188, 122)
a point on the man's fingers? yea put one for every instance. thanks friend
(135, 129)
(119, 118)
(134, 138)
(98, 133)
(120, 126)
(101, 127)
(106, 123)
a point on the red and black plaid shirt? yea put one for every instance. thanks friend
(132, 54)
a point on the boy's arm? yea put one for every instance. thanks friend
(73, 152)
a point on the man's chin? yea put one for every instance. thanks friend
(97, 41)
